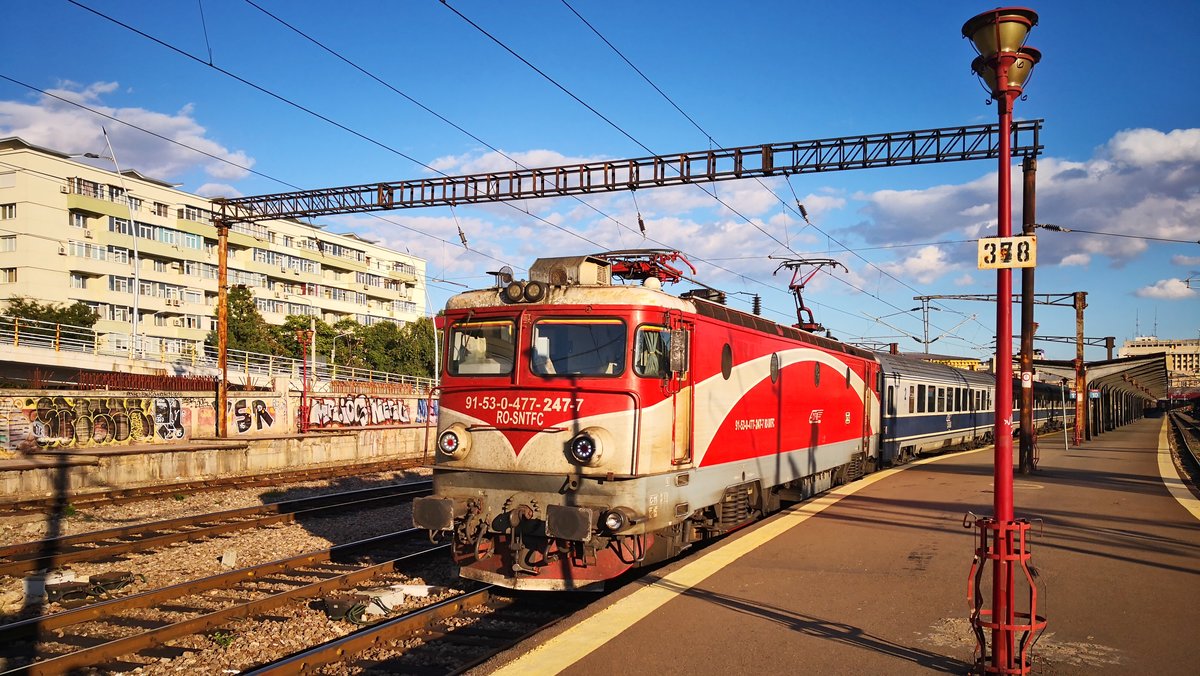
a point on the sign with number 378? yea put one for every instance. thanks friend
(1007, 252)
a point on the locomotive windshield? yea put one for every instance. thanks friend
(482, 348)
(585, 347)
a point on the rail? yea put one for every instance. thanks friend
(38, 335)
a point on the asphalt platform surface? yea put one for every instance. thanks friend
(872, 578)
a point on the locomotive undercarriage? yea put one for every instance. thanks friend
(555, 532)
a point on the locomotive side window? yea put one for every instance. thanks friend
(652, 352)
(775, 367)
(920, 398)
(816, 373)
(584, 347)
(483, 348)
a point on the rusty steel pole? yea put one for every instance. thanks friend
(1028, 212)
(222, 322)
(1080, 379)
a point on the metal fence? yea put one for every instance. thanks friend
(152, 352)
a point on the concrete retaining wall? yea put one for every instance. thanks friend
(102, 468)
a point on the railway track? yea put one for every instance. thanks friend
(1187, 437)
(97, 635)
(126, 495)
(451, 636)
(106, 544)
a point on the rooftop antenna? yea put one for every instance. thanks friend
(804, 315)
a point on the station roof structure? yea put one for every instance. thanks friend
(1143, 376)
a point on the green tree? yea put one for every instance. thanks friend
(247, 330)
(76, 314)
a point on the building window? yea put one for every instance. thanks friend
(118, 254)
(8, 243)
(160, 209)
(160, 266)
(119, 225)
(8, 211)
(79, 220)
(78, 281)
(8, 275)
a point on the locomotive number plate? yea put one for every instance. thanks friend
(1007, 252)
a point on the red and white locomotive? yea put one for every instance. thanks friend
(588, 427)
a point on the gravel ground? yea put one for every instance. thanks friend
(187, 561)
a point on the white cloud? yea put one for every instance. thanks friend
(926, 265)
(1142, 182)
(61, 126)
(1147, 147)
(1166, 289)
(1077, 259)
(964, 280)
(218, 190)
(1185, 261)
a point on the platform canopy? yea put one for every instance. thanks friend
(1143, 376)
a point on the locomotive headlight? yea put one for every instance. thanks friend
(615, 520)
(455, 442)
(584, 449)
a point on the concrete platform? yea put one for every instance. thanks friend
(872, 578)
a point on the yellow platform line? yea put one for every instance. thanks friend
(577, 642)
(1170, 477)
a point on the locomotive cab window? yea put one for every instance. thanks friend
(652, 352)
(483, 348)
(578, 347)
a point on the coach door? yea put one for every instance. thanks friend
(869, 377)
(679, 384)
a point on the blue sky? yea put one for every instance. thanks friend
(1116, 88)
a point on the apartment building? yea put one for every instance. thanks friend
(126, 243)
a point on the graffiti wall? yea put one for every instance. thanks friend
(257, 415)
(363, 410)
(34, 421)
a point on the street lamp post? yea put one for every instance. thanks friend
(333, 352)
(1004, 64)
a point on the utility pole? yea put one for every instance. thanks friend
(1028, 326)
(222, 226)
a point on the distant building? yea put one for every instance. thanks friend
(1183, 357)
(965, 363)
(67, 233)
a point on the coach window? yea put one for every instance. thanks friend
(484, 348)
(958, 399)
(652, 352)
(891, 400)
(931, 400)
(941, 400)
(912, 397)
(578, 347)
(920, 398)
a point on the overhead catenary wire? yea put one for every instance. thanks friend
(800, 210)
(385, 146)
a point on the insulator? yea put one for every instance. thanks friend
(757, 304)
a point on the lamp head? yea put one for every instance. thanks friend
(1018, 72)
(1003, 29)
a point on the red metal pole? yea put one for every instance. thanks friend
(1002, 601)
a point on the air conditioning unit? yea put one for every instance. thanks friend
(295, 272)
(278, 295)
(177, 267)
(64, 189)
(88, 234)
(173, 302)
(366, 287)
(62, 249)
(283, 268)
(178, 321)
